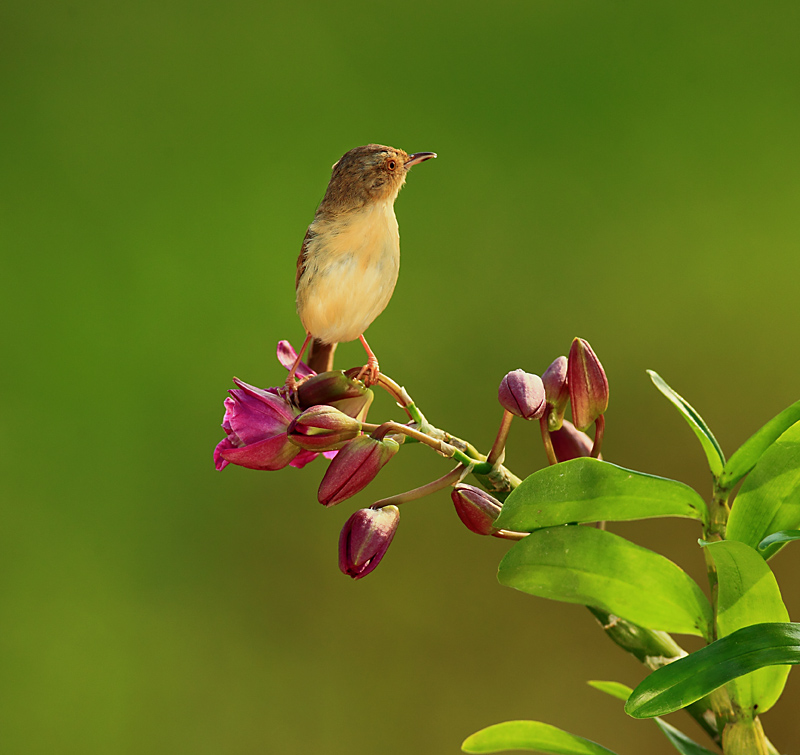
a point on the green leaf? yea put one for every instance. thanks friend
(748, 454)
(596, 568)
(769, 500)
(784, 536)
(680, 741)
(589, 490)
(615, 689)
(713, 451)
(686, 680)
(531, 735)
(748, 594)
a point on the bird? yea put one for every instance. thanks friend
(350, 257)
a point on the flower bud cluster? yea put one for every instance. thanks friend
(578, 380)
(326, 414)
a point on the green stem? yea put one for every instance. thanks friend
(400, 395)
(718, 512)
(445, 449)
(655, 649)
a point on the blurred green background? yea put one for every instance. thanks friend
(627, 172)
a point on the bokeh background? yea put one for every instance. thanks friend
(627, 172)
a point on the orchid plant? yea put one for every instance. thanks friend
(556, 519)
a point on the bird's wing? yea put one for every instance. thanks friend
(301, 259)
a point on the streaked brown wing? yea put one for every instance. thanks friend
(301, 259)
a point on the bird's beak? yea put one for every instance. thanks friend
(419, 157)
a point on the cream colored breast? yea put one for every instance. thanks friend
(351, 269)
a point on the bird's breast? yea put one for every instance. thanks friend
(350, 271)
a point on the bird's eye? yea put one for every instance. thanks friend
(391, 165)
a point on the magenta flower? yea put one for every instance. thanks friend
(365, 538)
(255, 424)
(286, 356)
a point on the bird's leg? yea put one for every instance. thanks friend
(291, 380)
(371, 369)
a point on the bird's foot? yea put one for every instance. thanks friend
(369, 372)
(288, 391)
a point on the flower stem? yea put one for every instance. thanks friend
(599, 430)
(445, 449)
(497, 454)
(456, 475)
(548, 441)
(493, 476)
(400, 395)
(510, 535)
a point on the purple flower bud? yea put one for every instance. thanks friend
(322, 428)
(354, 467)
(475, 508)
(255, 424)
(365, 538)
(522, 394)
(570, 443)
(588, 386)
(336, 389)
(556, 391)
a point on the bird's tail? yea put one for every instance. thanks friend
(320, 356)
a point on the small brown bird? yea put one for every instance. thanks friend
(348, 265)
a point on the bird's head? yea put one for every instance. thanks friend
(371, 173)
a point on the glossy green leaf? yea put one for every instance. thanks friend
(531, 735)
(596, 568)
(686, 680)
(680, 741)
(769, 500)
(713, 451)
(779, 538)
(615, 689)
(677, 738)
(748, 454)
(589, 490)
(748, 594)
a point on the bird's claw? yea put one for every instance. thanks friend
(370, 372)
(288, 391)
